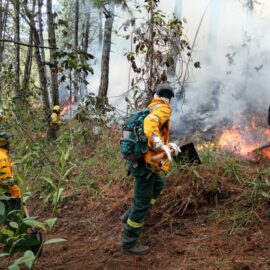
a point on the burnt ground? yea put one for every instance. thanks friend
(93, 232)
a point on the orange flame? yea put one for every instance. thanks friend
(243, 140)
(66, 108)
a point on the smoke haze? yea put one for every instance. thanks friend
(233, 49)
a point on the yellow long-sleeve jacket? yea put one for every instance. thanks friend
(157, 123)
(7, 174)
(55, 119)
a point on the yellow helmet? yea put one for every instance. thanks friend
(57, 108)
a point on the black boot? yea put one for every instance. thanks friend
(139, 250)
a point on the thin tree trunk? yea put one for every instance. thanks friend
(17, 46)
(76, 30)
(28, 60)
(105, 62)
(151, 48)
(40, 28)
(86, 33)
(178, 12)
(52, 44)
(100, 32)
(4, 13)
(1, 29)
(29, 18)
(75, 47)
(85, 44)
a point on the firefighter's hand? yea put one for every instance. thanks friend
(167, 151)
(176, 149)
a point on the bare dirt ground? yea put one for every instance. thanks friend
(93, 232)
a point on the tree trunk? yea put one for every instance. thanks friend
(3, 22)
(151, 48)
(100, 36)
(17, 46)
(178, 10)
(52, 44)
(105, 62)
(28, 60)
(1, 29)
(85, 45)
(76, 30)
(40, 32)
(40, 63)
(75, 47)
(86, 33)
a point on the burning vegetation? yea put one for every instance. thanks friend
(248, 140)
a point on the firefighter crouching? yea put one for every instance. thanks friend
(148, 182)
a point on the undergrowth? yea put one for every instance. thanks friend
(235, 191)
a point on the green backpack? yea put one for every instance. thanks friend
(133, 144)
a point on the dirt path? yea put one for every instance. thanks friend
(93, 232)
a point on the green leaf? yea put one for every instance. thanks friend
(62, 159)
(57, 195)
(68, 171)
(14, 266)
(197, 174)
(4, 255)
(13, 211)
(265, 195)
(55, 241)
(4, 198)
(7, 232)
(13, 225)
(49, 181)
(2, 209)
(29, 258)
(34, 223)
(50, 222)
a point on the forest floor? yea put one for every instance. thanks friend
(193, 241)
(212, 216)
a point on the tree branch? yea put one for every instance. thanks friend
(26, 44)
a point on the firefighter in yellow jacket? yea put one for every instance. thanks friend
(32, 238)
(6, 174)
(148, 182)
(54, 122)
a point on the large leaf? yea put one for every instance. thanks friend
(27, 259)
(55, 241)
(7, 232)
(34, 223)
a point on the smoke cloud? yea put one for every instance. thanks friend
(234, 53)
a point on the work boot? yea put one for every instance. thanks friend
(124, 217)
(139, 250)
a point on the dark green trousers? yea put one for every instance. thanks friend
(147, 188)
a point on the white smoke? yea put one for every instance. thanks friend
(233, 48)
(234, 56)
